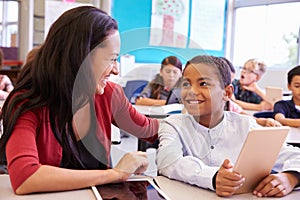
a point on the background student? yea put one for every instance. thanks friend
(6, 85)
(234, 107)
(158, 90)
(246, 91)
(57, 120)
(288, 112)
(200, 147)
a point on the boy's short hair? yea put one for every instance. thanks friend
(293, 72)
(258, 65)
(221, 66)
(230, 65)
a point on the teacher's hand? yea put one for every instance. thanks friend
(132, 163)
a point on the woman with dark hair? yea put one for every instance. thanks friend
(158, 90)
(57, 120)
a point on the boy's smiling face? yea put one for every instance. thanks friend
(202, 94)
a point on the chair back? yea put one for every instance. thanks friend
(133, 88)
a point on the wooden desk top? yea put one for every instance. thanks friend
(177, 190)
(293, 136)
(6, 193)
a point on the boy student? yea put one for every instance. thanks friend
(246, 91)
(288, 112)
(201, 146)
(234, 107)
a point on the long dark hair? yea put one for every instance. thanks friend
(48, 79)
(158, 84)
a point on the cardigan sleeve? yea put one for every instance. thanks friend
(129, 119)
(21, 150)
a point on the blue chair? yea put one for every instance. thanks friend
(133, 88)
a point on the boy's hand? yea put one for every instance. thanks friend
(253, 87)
(227, 181)
(270, 122)
(276, 185)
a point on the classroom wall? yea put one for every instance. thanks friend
(32, 23)
(35, 36)
(134, 19)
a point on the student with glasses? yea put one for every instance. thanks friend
(246, 91)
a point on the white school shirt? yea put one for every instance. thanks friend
(192, 153)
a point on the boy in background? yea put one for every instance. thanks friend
(246, 91)
(287, 112)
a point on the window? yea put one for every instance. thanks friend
(268, 32)
(9, 23)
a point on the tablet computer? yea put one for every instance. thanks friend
(137, 188)
(274, 94)
(258, 155)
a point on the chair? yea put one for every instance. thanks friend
(133, 88)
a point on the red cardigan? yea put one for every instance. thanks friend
(33, 143)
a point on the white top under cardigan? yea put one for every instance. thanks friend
(192, 153)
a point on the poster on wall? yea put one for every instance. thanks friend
(169, 23)
(207, 24)
(53, 9)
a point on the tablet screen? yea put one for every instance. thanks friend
(129, 190)
(258, 155)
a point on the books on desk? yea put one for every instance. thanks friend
(164, 110)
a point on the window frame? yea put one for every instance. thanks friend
(246, 3)
(5, 23)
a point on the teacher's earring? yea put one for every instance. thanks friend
(226, 98)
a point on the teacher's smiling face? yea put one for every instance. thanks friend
(104, 60)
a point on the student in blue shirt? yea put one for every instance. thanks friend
(201, 147)
(288, 112)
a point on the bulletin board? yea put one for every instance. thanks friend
(134, 21)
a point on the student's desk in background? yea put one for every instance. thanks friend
(159, 111)
(177, 190)
(294, 137)
(6, 193)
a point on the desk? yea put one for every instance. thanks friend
(294, 136)
(159, 111)
(177, 190)
(6, 193)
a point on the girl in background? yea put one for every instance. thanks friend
(158, 90)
